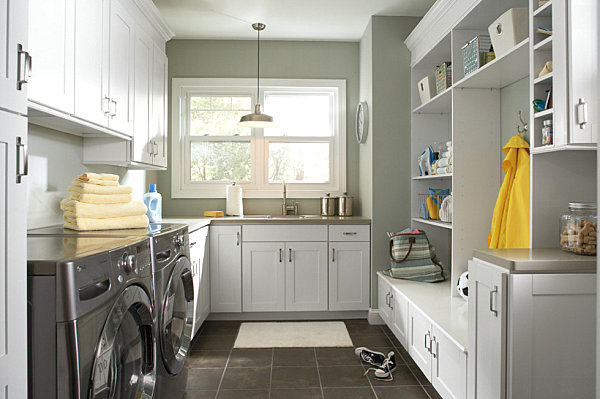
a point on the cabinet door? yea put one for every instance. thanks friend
(158, 127)
(141, 146)
(52, 46)
(263, 277)
(13, 268)
(197, 241)
(487, 335)
(419, 340)
(91, 60)
(399, 324)
(305, 276)
(205, 283)
(449, 366)
(225, 269)
(349, 270)
(121, 68)
(384, 293)
(13, 31)
(583, 70)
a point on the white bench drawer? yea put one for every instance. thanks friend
(284, 232)
(348, 232)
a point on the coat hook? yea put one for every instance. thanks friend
(525, 125)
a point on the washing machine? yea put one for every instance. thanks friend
(91, 318)
(173, 295)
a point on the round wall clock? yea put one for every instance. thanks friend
(362, 122)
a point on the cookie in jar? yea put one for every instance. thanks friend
(579, 227)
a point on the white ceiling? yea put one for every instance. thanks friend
(343, 20)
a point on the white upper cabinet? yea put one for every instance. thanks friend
(53, 82)
(141, 147)
(158, 127)
(121, 68)
(14, 62)
(91, 64)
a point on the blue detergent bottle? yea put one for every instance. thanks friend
(153, 201)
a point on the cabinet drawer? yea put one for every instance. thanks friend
(284, 232)
(349, 233)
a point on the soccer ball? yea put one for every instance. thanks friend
(463, 286)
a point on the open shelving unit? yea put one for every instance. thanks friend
(476, 136)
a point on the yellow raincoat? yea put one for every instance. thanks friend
(510, 223)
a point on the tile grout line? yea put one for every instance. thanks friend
(271, 372)
(407, 365)
(319, 373)
(224, 370)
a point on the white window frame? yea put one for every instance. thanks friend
(183, 187)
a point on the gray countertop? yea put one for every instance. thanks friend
(196, 222)
(539, 260)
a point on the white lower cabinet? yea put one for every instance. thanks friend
(225, 269)
(281, 276)
(419, 340)
(393, 309)
(349, 275)
(383, 293)
(200, 276)
(530, 335)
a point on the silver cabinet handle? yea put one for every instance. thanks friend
(581, 113)
(237, 238)
(492, 292)
(434, 348)
(24, 160)
(113, 114)
(192, 244)
(333, 254)
(280, 255)
(428, 347)
(290, 255)
(392, 301)
(24, 63)
(155, 145)
(387, 299)
(106, 109)
(349, 233)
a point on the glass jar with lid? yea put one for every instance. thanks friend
(547, 134)
(578, 228)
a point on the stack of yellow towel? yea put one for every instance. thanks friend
(98, 202)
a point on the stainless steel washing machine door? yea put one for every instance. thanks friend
(125, 361)
(177, 316)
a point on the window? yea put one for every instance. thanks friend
(307, 149)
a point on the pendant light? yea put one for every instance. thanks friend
(257, 119)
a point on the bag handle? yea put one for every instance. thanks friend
(411, 241)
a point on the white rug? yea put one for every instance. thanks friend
(293, 335)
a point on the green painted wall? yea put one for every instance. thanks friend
(279, 59)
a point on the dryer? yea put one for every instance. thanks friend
(92, 321)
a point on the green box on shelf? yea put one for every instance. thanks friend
(443, 76)
(474, 53)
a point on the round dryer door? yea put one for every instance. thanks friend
(124, 365)
(177, 316)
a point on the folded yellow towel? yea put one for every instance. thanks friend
(101, 198)
(85, 210)
(126, 222)
(99, 182)
(99, 176)
(85, 188)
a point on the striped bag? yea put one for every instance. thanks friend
(413, 258)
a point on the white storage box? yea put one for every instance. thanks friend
(509, 29)
(426, 89)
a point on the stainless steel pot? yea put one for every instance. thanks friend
(328, 205)
(345, 205)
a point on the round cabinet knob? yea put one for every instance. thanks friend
(131, 264)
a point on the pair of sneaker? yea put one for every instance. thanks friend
(384, 365)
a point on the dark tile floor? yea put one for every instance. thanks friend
(216, 370)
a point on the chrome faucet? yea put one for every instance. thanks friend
(285, 208)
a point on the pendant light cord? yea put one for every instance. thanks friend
(258, 68)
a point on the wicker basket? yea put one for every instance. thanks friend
(474, 53)
(443, 77)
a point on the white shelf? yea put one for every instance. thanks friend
(437, 223)
(544, 113)
(569, 147)
(547, 77)
(429, 177)
(440, 104)
(544, 45)
(544, 11)
(509, 68)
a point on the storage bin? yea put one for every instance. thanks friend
(509, 29)
(443, 77)
(474, 53)
(426, 89)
